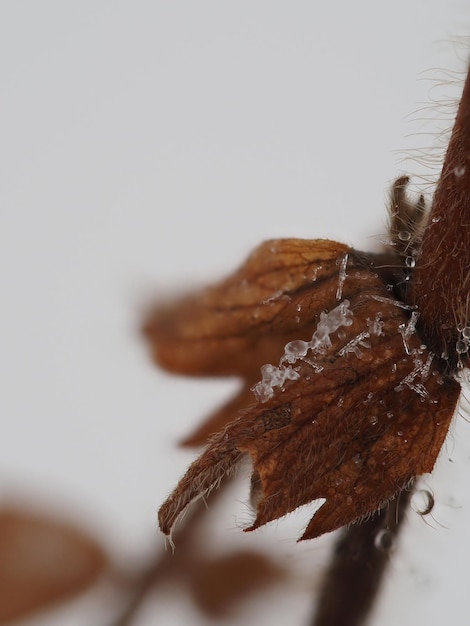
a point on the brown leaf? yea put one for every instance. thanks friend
(42, 562)
(244, 322)
(221, 583)
(351, 413)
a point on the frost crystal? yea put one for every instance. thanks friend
(401, 305)
(342, 276)
(376, 325)
(276, 376)
(353, 345)
(328, 324)
(272, 376)
(420, 370)
(406, 330)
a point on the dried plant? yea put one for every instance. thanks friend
(349, 364)
(348, 361)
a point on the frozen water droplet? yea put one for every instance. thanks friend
(466, 332)
(422, 502)
(435, 220)
(410, 262)
(384, 540)
(389, 287)
(374, 420)
(299, 307)
(376, 325)
(389, 415)
(272, 377)
(400, 433)
(404, 235)
(295, 350)
(459, 171)
(461, 347)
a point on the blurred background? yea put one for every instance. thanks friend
(146, 148)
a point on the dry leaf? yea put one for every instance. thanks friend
(42, 562)
(351, 409)
(220, 584)
(358, 355)
(244, 322)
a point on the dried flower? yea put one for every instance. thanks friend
(350, 358)
(43, 562)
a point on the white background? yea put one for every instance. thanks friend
(149, 146)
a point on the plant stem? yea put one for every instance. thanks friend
(360, 560)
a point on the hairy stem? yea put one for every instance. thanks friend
(440, 285)
(359, 563)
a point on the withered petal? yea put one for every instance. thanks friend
(245, 321)
(43, 562)
(359, 415)
(220, 584)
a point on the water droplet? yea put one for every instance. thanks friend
(389, 287)
(459, 171)
(374, 420)
(404, 235)
(338, 481)
(461, 347)
(400, 433)
(357, 459)
(466, 332)
(299, 307)
(384, 540)
(422, 502)
(389, 415)
(410, 262)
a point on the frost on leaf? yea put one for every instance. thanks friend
(334, 427)
(275, 376)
